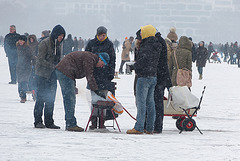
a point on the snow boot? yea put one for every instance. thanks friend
(200, 76)
(23, 100)
(94, 123)
(52, 126)
(75, 128)
(134, 131)
(39, 125)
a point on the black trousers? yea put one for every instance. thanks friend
(159, 106)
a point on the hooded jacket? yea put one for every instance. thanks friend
(33, 45)
(68, 45)
(201, 56)
(49, 53)
(184, 58)
(148, 53)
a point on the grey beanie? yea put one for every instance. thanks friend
(46, 32)
(101, 30)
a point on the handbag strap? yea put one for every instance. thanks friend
(175, 58)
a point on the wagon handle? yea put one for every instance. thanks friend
(201, 97)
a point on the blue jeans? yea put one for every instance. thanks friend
(200, 70)
(145, 103)
(69, 98)
(45, 98)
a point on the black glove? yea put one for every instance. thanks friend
(100, 93)
(131, 67)
(110, 77)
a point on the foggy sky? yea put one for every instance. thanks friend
(34, 16)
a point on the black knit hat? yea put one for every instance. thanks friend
(23, 37)
(101, 30)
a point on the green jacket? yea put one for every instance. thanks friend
(47, 57)
(184, 58)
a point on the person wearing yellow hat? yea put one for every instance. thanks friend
(146, 69)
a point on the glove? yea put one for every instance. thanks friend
(131, 67)
(110, 77)
(100, 93)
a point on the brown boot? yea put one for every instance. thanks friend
(200, 77)
(23, 100)
(134, 131)
(94, 123)
(75, 128)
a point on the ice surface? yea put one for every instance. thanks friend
(219, 120)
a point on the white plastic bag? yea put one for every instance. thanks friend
(96, 98)
(182, 97)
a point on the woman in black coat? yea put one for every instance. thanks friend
(24, 66)
(201, 58)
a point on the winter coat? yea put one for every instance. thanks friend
(24, 64)
(210, 50)
(68, 45)
(80, 44)
(163, 77)
(10, 41)
(79, 64)
(170, 48)
(201, 56)
(33, 45)
(184, 58)
(148, 54)
(126, 50)
(103, 75)
(75, 46)
(49, 53)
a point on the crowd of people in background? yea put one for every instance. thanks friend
(37, 63)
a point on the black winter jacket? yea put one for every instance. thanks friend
(10, 44)
(103, 75)
(68, 46)
(201, 56)
(147, 57)
(163, 77)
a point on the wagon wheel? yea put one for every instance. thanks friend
(179, 123)
(189, 124)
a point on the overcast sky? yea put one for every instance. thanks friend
(208, 20)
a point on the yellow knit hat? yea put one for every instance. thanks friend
(148, 31)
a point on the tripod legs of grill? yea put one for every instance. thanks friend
(101, 119)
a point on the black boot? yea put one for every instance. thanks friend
(94, 123)
(52, 126)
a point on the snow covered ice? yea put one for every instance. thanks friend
(218, 118)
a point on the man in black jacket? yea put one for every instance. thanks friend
(105, 75)
(163, 81)
(11, 52)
